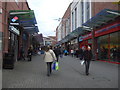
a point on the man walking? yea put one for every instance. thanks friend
(87, 55)
(57, 52)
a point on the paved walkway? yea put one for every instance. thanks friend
(70, 75)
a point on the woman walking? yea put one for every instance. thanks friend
(49, 57)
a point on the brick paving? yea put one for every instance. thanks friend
(70, 75)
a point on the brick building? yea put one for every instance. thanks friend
(98, 6)
(17, 28)
(64, 28)
(50, 40)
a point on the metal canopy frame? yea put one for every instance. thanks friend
(74, 34)
(26, 19)
(102, 17)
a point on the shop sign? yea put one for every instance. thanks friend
(80, 39)
(107, 29)
(98, 32)
(74, 41)
(14, 30)
(14, 20)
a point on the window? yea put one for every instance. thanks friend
(82, 12)
(88, 10)
(72, 21)
(75, 18)
(16, 1)
(103, 47)
(114, 46)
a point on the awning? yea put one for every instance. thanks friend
(24, 18)
(31, 30)
(101, 18)
(75, 34)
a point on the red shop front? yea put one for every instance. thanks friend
(107, 42)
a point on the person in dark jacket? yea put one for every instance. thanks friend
(30, 54)
(22, 53)
(80, 53)
(57, 52)
(87, 55)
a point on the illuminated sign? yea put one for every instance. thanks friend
(14, 30)
(15, 19)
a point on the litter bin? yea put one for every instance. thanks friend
(8, 61)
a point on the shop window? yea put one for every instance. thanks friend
(102, 49)
(115, 47)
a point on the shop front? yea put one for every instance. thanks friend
(21, 27)
(11, 57)
(14, 34)
(109, 47)
(105, 30)
(107, 42)
(28, 28)
(74, 44)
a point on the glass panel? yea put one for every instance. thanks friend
(103, 47)
(115, 46)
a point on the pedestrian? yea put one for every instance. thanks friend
(81, 53)
(61, 52)
(57, 52)
(77, 53)
(49, 57)
(72, 52)
(87, 55)
(22, 53)
(30, 54)
(115, 53)
(65, 52)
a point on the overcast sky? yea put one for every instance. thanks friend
(46, 11)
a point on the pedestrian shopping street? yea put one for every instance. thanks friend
(70, 75)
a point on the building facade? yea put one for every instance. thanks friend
(15, 34)
(97, 25)
(105, 30)
(63, 28)
(81, 11)
(49, 41)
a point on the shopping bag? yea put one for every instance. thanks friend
(39, 53)
(82, 62)
(55, 66)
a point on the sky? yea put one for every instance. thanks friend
(46, 11)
